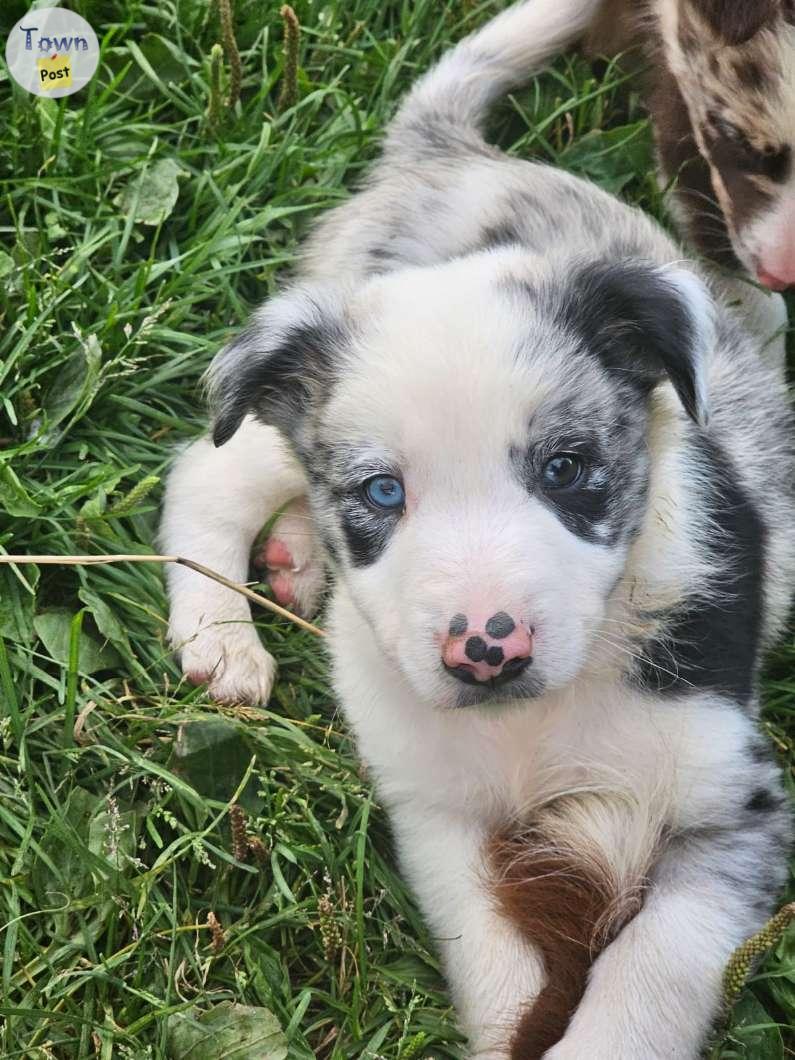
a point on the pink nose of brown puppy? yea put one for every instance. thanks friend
(495, 653)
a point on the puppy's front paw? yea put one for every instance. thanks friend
(230, 661)
(293, 561)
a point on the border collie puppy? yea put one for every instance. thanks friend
(721, 91)
(554, 479)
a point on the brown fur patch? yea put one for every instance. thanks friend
(613, 30)
(683, 164)
(736, 21)
(569, 912)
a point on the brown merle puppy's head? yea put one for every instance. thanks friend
(725, 114)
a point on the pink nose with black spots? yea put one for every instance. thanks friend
(495, 653)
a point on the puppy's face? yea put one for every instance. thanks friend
(735, 64)
(474, 441)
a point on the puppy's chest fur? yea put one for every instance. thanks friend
(501, 767)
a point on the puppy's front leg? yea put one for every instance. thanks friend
(217, 501)
(494, 974)
(655, 991)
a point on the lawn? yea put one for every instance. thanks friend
(140, 220)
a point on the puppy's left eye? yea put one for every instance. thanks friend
(385, 491)
(561, 470)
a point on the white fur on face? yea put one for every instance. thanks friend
(452, 400)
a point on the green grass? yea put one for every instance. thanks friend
(116, 778)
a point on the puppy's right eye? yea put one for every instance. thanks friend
(385, 492)
(561, 471)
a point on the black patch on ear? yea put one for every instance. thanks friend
(636, 323)
(736, 21)
(274, 382)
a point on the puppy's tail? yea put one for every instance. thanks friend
(454, 97)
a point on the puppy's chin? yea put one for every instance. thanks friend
(521, 691)
(440, 691)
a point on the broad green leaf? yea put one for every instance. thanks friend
(213, 755)
(150, 197)
(612, 157)
(155, 53)
(86, 844)
(77, 384)
(112, 837)
(63, 869)
(107, 623)
(410, 970)
(754, 1030)
(17, 605)
(7, 265)
(14, 498)
(225, 1032)
(54, 626)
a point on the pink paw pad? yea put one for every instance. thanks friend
(277, 556)
(282, 585)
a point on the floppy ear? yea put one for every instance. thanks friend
(281, 362)
(735, 21)
(646, 322)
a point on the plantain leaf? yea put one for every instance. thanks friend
(754, 1030)
(150, 197)
(14, 498)
(54, 630)
(212, 755)
(227, 1031)
(611, 157)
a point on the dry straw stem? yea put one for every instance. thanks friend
(88, 561)
(288, 96)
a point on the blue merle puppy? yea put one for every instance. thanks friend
(554, 481)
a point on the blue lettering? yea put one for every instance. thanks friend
(45, 44)
(27, 32)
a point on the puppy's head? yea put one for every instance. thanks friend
(474, 439)
(734, 61)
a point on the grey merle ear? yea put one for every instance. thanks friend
(736, 21)
(281, 362)
(645, 323)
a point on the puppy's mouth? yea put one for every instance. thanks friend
(493, 693)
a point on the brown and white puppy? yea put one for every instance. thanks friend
(722, 98)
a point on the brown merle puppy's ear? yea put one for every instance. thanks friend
(280, 364)
(645, 324)
(735, 21)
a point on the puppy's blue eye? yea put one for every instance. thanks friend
(385, 491)
(561, 470)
